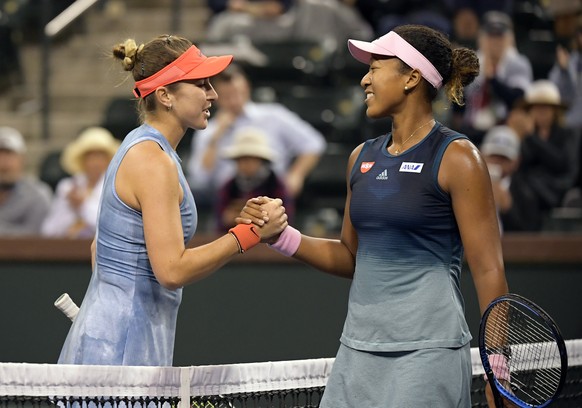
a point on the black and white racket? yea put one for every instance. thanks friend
(522, 351)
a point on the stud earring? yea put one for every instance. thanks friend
(406, 88)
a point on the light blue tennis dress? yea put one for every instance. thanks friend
(127, 317)
(405, 341)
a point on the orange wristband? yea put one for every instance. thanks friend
(246, 236)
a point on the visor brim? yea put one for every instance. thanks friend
(363, 50)
(210, 67)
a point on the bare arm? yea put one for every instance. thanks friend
(224, 119)
(147, 181)
(93, 248)
(464, 175)
(302, 166)
(333, 256)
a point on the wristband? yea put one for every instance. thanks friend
(288, 242)
(246, 236)
(499, 366)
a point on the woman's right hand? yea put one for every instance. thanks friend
(277, 220)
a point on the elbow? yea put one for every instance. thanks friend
(168, 280)
(170, 285)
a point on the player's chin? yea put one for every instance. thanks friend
(373, 113)
(201, 123)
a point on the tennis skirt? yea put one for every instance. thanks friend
(427, 378)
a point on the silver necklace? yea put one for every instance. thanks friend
(410, 137)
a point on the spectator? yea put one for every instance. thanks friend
(24, 201)
(504, 76)
(256, 8)
(73, 212)
(567, 75)
(565, 15)
(253, 18)
(519, 120)
(278, 20)
(254, 177)
(548, 157)
(298, 144)
(482, 7)
(465, 28)
(334, 20)
(433, 13)
(500, 149)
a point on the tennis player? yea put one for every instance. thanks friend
(418, 199)
(147, 215)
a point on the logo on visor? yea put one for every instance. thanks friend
(366, 166)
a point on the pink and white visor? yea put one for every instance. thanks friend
(393, 45)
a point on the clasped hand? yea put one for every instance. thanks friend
(268, 214)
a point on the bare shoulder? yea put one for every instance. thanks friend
(149, 158)
(462, 165)
(146, 169)
(355, 153)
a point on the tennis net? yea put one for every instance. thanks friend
(292, 384)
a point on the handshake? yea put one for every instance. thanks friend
(263, 219)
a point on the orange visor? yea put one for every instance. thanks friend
(192, 64)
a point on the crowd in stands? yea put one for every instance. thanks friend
(29, 206)
(269, 134)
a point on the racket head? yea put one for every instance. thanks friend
(517, 330)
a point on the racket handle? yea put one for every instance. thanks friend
(66, 305)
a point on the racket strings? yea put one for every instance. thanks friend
(533, 357)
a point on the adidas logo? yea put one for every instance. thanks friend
(383, 175)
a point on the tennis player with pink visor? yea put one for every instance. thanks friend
(392, 45)
(147, 215)
(418, 199)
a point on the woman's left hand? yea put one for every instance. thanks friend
(253, 213)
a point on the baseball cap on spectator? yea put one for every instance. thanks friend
(496, 23)
(501, 141)
(12, 140)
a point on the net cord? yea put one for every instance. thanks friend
(18, 379)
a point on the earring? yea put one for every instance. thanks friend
(406, 88)
(169, 107)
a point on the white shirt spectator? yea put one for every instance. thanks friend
(289, 136)
(62, 216)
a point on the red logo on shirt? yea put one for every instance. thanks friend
(366, 166)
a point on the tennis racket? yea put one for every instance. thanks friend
(522, 351)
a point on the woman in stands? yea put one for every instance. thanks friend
(148, 215)
(418, 198)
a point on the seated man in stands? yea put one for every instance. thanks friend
(24, 201)
(298, 145)
(505, 75)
